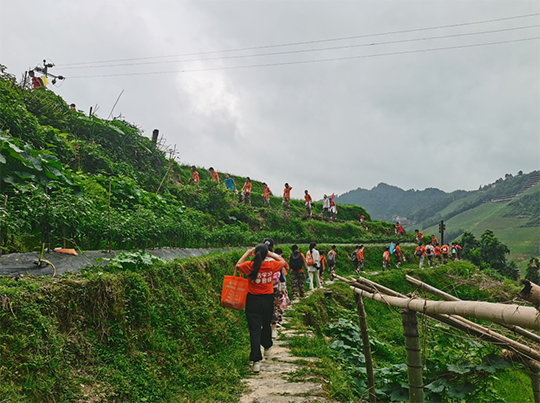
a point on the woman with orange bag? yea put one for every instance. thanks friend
(260, 299)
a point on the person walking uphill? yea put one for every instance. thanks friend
(297, 262)
(286, 197)
(313, 260)
(260, 298)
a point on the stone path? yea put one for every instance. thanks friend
(272, 384)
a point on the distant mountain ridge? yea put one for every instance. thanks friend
(388, 202)
(385, 202)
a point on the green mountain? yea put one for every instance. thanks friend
(510, 207)
(385, 202)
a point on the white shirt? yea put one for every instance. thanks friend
(326, 203)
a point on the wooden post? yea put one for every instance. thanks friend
(535, 381)
(2, 223)
(414, 359)
(109, 213)
(367, 348)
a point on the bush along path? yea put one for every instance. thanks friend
(273, 384)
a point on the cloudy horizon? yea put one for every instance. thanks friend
(412, 117)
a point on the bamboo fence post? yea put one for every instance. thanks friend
(367, 348)
(414, 358)
(448, 297)
(109, 214)
(2, 224)
(455, 321)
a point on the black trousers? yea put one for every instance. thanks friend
(259, 310)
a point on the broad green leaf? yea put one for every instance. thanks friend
(461, 391)
(438, 385)
(492, 363)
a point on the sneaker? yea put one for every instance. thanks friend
(274, 334)
(256, 367)
(267, 352)
(357, 272)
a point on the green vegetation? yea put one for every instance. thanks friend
(455, 368)
(134, 331)
(70, 180)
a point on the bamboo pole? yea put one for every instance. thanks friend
(414, 358)
(367, 348)
(501, 313)
(449, 297)
(109, 214)
(457, 322)
(2, 224)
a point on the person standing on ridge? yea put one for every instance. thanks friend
(420, 252)
(399, 255)
(434, 240)
(333, 210)
(260, 299)
(312, 260)
(287, 197)
(386, 259)
(308, 200)
(229, 183)
(362, 221)
(195, 177)
(438, 259)
(331, 259)
(266, 194)
(215, 175)
(246, 192)
(430, 253)
(322, 268)
(419, 236)
(325, 206)
(444, 251)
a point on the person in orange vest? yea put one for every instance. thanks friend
(420, 252)
(359, 251)
(308, 200)
(362, 221)
(286, 196)
(322, 268)
(458, 250)
(36, 81)
(419, 236)
(215, 175)
(434, 240)
(386, 259)
(195, 177)
(438, 257)
(444, 252)
(399, 255)
(246, 192)
(453, 251)
(266, 195)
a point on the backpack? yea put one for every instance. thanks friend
(310, 261)
(429, 251)
(418, 252)
(354, 256)
(331, 259)
(453, 249)
(296, 261)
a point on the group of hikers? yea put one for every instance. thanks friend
(267, 296)
(435, 253)
(329, 206)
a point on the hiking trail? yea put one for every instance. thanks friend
(272, 385)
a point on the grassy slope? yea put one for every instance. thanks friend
(523, 242)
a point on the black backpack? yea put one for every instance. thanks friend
(354, 256)
(296, 261)
(418, 252)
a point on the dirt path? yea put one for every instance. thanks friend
(272, 385)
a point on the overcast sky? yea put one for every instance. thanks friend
(452, 119)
